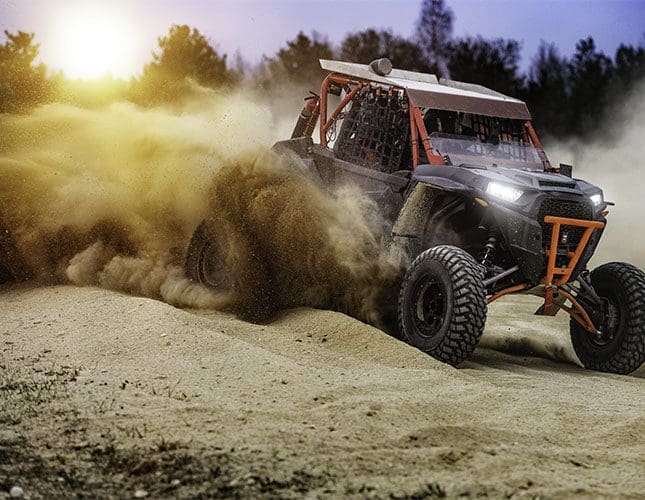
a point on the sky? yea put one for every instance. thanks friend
(261, 27)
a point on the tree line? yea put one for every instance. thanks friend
(567, 96)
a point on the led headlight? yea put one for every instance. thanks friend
(596, 199)
(503, 191)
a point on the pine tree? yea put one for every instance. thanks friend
(434, 34)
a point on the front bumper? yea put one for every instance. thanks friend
(537, 238)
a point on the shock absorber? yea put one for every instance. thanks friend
(489, 249)
(308, 117)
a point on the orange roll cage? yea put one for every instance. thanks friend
(418, 131)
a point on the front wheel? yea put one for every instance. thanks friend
(442, 304)
(620, 345)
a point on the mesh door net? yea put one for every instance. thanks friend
(375, 132)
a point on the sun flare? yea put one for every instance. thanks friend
(93, 40)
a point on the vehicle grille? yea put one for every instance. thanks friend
(558, 184)
(564, 208)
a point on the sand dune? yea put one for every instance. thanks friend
(319, 395)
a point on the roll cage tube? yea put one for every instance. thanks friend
(418, 129)
(528, 127)
(417, 126)
(354, 85)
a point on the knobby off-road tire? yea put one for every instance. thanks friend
(442, 304)
(621, 346)
(206, 260)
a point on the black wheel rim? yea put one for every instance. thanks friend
(212, 271)
(609, 325)
(430, 305)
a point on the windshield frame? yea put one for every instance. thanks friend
(468, 150)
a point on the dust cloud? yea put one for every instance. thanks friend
(110, 198)
(614, 160)
(292, 244)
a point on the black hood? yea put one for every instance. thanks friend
(477, 178)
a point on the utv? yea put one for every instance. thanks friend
(475, 203)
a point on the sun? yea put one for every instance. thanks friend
(92, 40)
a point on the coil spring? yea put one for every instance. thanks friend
(489, 250)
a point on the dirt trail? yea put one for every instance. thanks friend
(148, 397)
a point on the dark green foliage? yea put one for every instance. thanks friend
(23, 83)
(434, 34)
(183, 54)
(297, 62)
(575, 97)
(590, 72)
(492, 63)
(567, 96)
(629, 68)
(365, 46)
(547, 90)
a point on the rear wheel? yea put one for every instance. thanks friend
(206, 259)
(5, 275)
(620, 346)
(442, 304)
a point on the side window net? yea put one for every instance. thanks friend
(375, 132)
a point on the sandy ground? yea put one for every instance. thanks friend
(107, 395)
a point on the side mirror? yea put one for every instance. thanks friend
(566, 169)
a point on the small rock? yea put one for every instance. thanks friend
(175, 482)
(249, 479)
(140, 494)
(16, 492)
(9, 438)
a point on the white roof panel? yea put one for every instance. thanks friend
(428, 91)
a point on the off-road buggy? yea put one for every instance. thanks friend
(471, 196)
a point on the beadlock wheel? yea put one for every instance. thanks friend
(442, 304)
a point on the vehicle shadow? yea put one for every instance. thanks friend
(519, 359)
